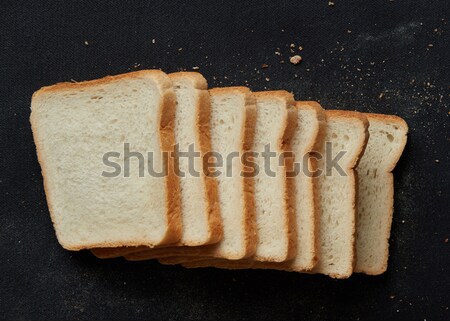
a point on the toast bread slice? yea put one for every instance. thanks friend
(74, 126)
(388, 135)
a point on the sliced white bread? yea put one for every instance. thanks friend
(308, 137)
(336, 193)
(276, 121)
(201, 223)
(232, 129)
(375, 202)
(74, 126)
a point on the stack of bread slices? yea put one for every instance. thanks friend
(273, 183)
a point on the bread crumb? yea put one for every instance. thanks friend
(277, 53)
(86, 43)
(295, 59)
(392, 297)
(436, 160)
(267, 78)
(153, 40)
(282, 62)
(446, 240)
(300, 48)
(264, 66)
(195, 68)
(331, 3)
(349, 31)
(381, 95)
(292, 45)
(180, 49)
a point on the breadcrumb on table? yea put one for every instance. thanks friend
(295, 59)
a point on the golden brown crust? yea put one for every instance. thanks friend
(291, 127)
(249, 223)
(157, 75)
(173, 200)
(204, 138)
(166, 140)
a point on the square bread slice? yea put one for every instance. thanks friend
(201, 222)
(75, 126)
(276, 120)
(334, 194)
(232, 129)
(375, 203)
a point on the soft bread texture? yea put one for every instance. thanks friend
(310, 130)
(232, 130)
(335, 193)
(201, 223)
(375, 201)
(199, 199)
(276, 124)
(276, 121)
(74, 125)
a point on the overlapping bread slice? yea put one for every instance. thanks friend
(276, 121)
(376, 191)
(334, 193)
(345, 141)
(76, 126)
(307, 138)
(201, 223)
(232, 130)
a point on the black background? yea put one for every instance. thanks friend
(372, 56)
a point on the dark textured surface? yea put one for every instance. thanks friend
(385, 64)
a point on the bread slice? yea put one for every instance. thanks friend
(74, 126)
(336, 193)
(201, 223)
(376, 191)
(308, 136)
(276, 121)
(232, 130)
(275, 126)
(334, 198)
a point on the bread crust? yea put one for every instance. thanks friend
(248, 218)
(167, 112)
